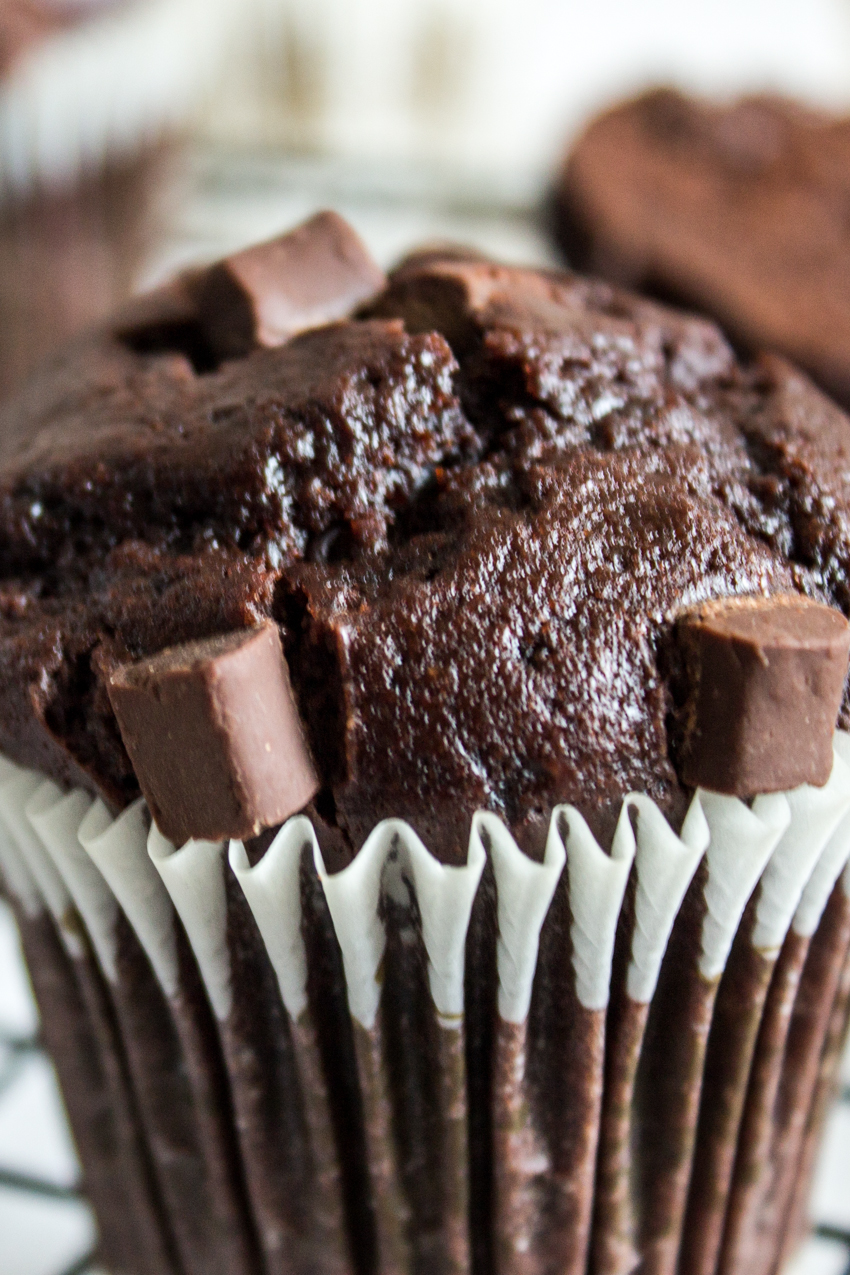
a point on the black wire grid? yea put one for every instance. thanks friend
(17, 1051)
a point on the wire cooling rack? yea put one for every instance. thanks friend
(46, 1228)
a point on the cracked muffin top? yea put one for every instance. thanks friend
(475, 508)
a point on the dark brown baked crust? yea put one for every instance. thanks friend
(737, 210)
(475, 514)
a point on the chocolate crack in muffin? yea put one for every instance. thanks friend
(475, 510)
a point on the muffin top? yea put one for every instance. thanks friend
(475, 509)
(737, 209)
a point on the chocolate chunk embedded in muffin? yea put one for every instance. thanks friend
(476, 510)
(736, 209)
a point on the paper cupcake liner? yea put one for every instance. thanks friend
(165, 1025)
(742, 1242)
(511, 1065)
(280, 1104)
(68, 1037)
(401, 919)
(739, 1007)
(187, 1106)
(759, 1204)
(795, 1222)
(219, 1207)
(81, 1031)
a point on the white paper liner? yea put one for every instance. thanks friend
(56, 817)
(272, 888)
(830, 864)
(597, 885)
(815, 816)
(796, 844)
(444, 895)
(741, 843)
(666, 864)
(15, 792)
(107, 86)
(194, 879)
(524, 891)
(118, 848)
(17, 876)
(41, 860)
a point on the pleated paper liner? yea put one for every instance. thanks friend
(602, 1059)
(794, 1225)
(162, 1043)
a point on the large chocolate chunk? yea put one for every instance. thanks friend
(764, 683)
(314, 275)
(214, 735)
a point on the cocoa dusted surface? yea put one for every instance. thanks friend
(734, 208)
(475, 514)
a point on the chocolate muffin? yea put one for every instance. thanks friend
(89, 151)
(734, 209)
(530, 595)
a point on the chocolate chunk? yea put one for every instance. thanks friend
(765, 679)
(214, 736)
(316, 274)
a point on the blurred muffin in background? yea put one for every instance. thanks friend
(736, 208)
(94, 97)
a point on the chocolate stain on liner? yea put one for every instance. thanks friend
(755, 1137)
(207, 1214)
(482, 1026)
(667, 1086)
(195, 1027)
(795, 1215)
(158, 1253)
(264, 1095)
(391, 1217)
(268, 1098)
(818, 988)
(425, 1075)
(518, 1152)
(335, 1040)
(654, 1054)
(74, 1048)
(731, 1046)
(565, 1054)
(451, 1066)
(182, 1032)
(548, 1074)
(613, 1240)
